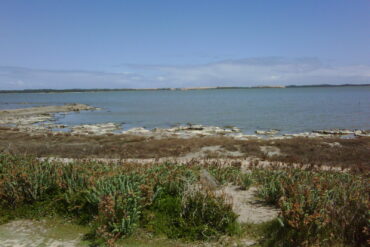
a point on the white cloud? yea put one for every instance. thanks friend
(37, 78)
(243, 72)
(264, 71)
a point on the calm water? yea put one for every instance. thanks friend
(290, 110)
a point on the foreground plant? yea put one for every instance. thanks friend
(318, 208)
(111, 198)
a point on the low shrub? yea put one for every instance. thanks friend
(271, 190)
(25, 180)
(114, 199)
(196, 216)
(225, 174)
(319, 208)
(206, 215)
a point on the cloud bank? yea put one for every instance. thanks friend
(242, 72)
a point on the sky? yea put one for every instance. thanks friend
(182, 43)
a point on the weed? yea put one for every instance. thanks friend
(318, 207)
(112, 198)
(246, 180)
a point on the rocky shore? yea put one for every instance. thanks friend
(190, 131)
(32, 115)
(36, 120)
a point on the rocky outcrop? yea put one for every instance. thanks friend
(183, 131)
(362, 133)
(46, 110)
(31, 115)
(334, 132)
(95, 129)
(306, 134)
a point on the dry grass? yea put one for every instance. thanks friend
(346, 152)
(112, 146)
(319, 151)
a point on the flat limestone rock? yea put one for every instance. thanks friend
(267, 132)
(96, 129)
(46, 109)
(334, 132)
(32, 115)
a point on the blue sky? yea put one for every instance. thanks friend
(182, 43)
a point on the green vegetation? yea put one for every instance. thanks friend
(318, 207)
(114, 200)
(246, 181)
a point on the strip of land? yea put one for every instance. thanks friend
(169, 89)
(31, 115)
(332, 151)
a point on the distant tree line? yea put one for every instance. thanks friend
(79, 90)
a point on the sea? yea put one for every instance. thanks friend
(290, 110)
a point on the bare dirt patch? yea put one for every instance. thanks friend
(32, 233)
(247, 206)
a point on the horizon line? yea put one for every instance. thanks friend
(175, 89)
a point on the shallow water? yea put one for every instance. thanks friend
(290, 110)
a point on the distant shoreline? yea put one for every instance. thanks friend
(78, 90)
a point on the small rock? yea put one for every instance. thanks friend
(333, 144)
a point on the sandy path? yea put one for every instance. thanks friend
(33, 233)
